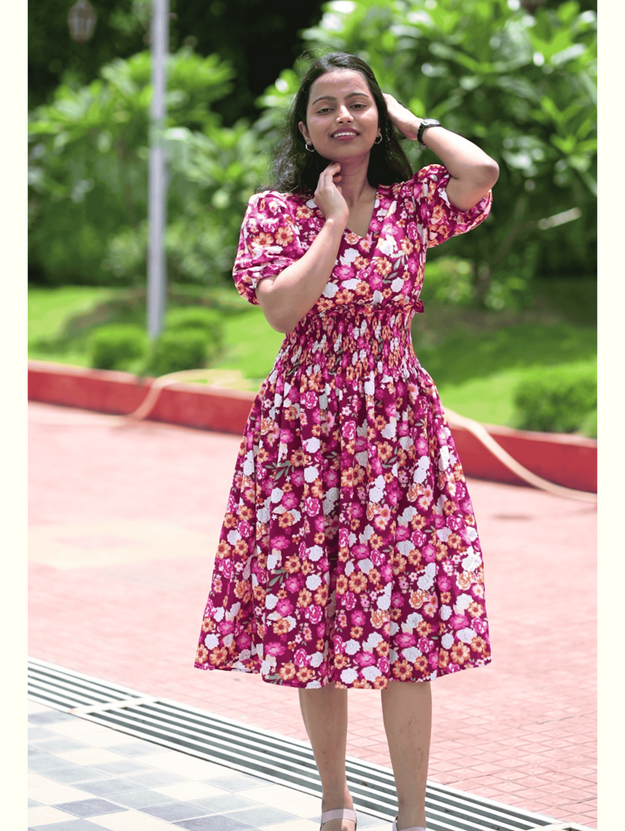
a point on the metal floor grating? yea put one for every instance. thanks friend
(260, 753)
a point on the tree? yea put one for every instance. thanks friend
(88, 175)
(257, 37)
(521, 86)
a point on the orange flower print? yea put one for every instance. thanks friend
(202, 654)
(358, 582)
(263, 239)
(460, 652)
(383, 266)
(402, 670)
(284, 236)
(305, 674)
(287, 671)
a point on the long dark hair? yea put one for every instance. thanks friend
(295, 170)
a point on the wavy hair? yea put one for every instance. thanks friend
(295, 170)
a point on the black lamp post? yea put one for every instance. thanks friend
(81, 20)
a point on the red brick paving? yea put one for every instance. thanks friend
(521, 731)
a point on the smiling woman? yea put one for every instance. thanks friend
(349, 555)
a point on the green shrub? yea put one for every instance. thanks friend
(208, 322)
(556, 401)
(176, 351)
(116, 346)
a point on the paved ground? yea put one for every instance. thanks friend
(124, 521)
(85, 777)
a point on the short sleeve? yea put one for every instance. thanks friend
(268, 243)
(435, 211)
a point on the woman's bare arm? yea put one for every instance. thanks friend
(473, 172)
(288, 296)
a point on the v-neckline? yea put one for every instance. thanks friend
(376, 201)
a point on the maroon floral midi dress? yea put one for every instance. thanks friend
(349, 552)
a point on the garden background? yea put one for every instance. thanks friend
(509, 332)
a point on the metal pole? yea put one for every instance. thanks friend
(157, 184)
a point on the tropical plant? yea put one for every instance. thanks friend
(88, 175)
(522, 86)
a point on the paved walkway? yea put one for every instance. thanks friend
(124, 521)
(85, 777)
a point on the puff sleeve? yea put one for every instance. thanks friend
(268, 243)
(438, 216)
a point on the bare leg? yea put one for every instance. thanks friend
(407, 711)
(325, 717)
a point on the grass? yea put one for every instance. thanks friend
(476, 358)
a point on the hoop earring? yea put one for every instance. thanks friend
(379, 139)
(311, 148)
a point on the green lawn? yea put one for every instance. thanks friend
(475, 358)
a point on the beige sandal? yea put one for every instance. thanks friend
(339, 813)
(414, 827)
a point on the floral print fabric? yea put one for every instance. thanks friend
(349, 552)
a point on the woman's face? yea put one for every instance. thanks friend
(341, 116)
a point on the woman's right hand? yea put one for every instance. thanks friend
(328, 196)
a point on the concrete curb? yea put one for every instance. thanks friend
(567, 460)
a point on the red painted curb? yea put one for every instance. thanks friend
(566, 460)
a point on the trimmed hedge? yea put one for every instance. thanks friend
(116, 346)
(209, 322)
(176, 351)
(557, 401)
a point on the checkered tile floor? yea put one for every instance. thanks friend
(85, 777)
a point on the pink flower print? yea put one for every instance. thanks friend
(314, 614)
(297, 477)
(301, 658)
(365, 659)
(433, 659)
(290, 500)
(281, 543)
(244, 641)
(349, 600)
(422, 446)
(312, 506)
(397, 600)
(309, 399)
(274, 648)
(360, 551)
(286, 436)
(244, 529)
(425, 645)
(358, 618)
(294, 583)
(384, 665)
(444, 583)
(357, 509)
(439, 521)
(349, 429)
(405, 639)
(480, 626)
(386, 572)
(284, 607)
(402, 532)
(458, 621)
(226, 627)
(331, 479)
(428, 552)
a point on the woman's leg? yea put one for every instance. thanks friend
(407, 711)
(325, 717)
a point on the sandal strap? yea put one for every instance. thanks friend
(338, 813)
(414, 828)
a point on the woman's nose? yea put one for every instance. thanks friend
(344, 114)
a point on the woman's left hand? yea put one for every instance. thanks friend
(402, 118)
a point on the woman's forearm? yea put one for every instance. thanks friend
(473, 172)
(286, 298)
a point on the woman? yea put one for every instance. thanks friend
(349, 555)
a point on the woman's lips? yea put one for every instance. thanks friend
(344, 135)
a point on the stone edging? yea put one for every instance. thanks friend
(566, 460)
